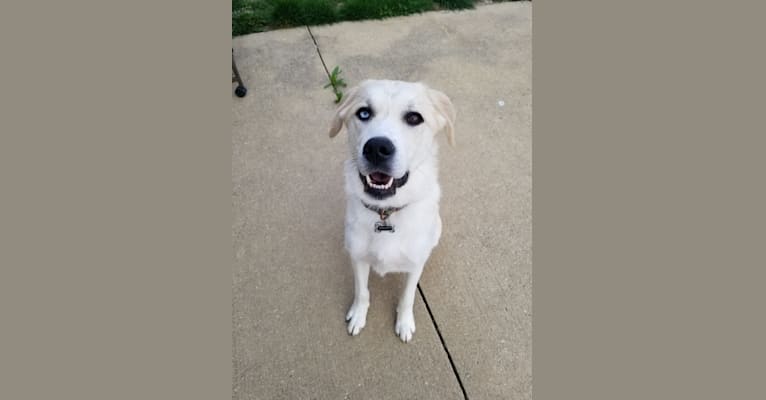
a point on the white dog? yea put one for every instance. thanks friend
(392, 211)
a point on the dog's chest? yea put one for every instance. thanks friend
(388, 254)
(400, 250)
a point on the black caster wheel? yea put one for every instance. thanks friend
(240, 91)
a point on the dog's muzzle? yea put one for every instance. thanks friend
(379, 153)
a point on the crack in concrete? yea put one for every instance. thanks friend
(316, 45)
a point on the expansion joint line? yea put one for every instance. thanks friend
(444, 345)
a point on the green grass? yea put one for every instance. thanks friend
(249, 16)
(456, 4)
(304, 12)
(353, 10)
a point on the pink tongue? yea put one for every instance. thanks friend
(379, 178)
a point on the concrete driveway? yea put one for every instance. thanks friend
(292, 281)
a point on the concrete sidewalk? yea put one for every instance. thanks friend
(292, 281)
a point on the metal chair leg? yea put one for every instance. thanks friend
(241, 90)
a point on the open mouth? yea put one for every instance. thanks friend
(379, 180)
(381, 185)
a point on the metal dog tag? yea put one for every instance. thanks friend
(381, 226)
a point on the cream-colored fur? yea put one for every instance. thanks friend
(418, 225)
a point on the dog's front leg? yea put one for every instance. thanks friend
(405, 319)
(357, 314)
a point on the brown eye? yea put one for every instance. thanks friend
(412, 118)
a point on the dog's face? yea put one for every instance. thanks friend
(391, 129)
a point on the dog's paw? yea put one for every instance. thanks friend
(405, 326)
(357, 318)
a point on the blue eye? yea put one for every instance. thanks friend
(364, 113)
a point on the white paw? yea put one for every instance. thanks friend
(357, 318)
(405, 326)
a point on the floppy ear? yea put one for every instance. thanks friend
(342, 111)
(446, 110)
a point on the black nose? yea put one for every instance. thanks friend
(378, 150)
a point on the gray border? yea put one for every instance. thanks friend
(115, 259)
(648, 200)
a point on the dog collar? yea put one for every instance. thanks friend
(384, 213)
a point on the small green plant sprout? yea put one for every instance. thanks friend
(336, 82)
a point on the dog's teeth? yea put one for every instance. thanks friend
(385, 186)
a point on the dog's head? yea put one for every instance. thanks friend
(391, 128)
